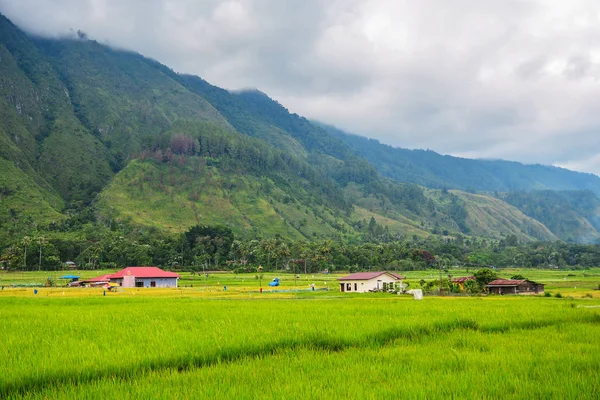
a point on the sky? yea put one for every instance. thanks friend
(510, 79)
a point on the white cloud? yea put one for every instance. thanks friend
(514, 79)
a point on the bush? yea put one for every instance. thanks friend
(558, 296)
(547, 294)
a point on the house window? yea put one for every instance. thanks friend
(139, 284)
(356, 287)
(152, 283)
(348, 287)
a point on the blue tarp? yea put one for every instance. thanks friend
(274, 282)
(69, 277)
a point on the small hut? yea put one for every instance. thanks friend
(515, 286)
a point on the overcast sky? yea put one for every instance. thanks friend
(512, 79)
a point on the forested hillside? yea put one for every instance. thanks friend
(96, 140)
(428, 168)
(573, 216)
(38, 127)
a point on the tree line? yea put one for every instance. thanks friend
(202, 247)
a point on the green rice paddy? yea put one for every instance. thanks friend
(193, 343)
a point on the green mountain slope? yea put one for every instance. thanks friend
(83, 125)
(573, 216)
(125, 99)
(195, 192)
(39, 133)
(23, 203)
(245, 120)
(491, 217)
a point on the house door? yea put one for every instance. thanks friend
(152, 283)
(341, 287)
(378, 285)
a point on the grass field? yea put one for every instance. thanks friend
(208, 343)
(568, 283)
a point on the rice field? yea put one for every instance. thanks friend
(297, 345)
(581, 283)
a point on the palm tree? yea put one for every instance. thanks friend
(41, 242)
(269, 247)
(26, 242)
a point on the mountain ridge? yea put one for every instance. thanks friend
(88, 127)
(433, 169)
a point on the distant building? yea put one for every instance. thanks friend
(515, 286)
(97, 281)
(70, 265)
(368, 281)
(141, 277)
(461, 281)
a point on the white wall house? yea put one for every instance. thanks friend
(368, 281)
(145, 277)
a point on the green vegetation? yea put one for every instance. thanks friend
(570, 215)
(132, 347)
(94, 135)
(490, 217)
(111, 159)
(428, 168)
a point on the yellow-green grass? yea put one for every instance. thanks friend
(145, 347)
(580, 283)
(464, 364)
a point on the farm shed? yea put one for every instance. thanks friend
(70, 265)
(515, 286)
(461, 281)
(97, 281)
(368, 281)
(101, 278)
(145, 277)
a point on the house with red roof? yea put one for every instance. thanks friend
(98, 279)
(515, 286)
(141, 277)
(369, 281)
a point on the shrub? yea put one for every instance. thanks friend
(558, 296)
(547, 294)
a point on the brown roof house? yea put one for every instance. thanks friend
(461, 281)
(515, 286)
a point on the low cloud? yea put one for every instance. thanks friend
(515, 79)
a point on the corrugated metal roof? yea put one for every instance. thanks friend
(365, 276)
(506, 282)
(101, 278)
(463, 279)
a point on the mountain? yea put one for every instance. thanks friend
(574, 216)
(564, 201)
(428, 168)
(110, 137)
(49, 157)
